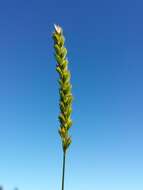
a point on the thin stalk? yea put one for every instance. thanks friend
(63, 175)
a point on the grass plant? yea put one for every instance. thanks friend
(66, 98)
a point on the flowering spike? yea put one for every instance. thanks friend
(64, 87)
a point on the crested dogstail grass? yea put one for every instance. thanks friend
(66, 98)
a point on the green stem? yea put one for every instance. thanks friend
(63, 176)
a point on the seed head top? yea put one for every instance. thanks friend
(58, 29)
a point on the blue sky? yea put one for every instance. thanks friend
(105, 51)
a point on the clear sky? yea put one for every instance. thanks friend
(105, 51)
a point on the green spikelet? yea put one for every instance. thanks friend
(64, 87)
